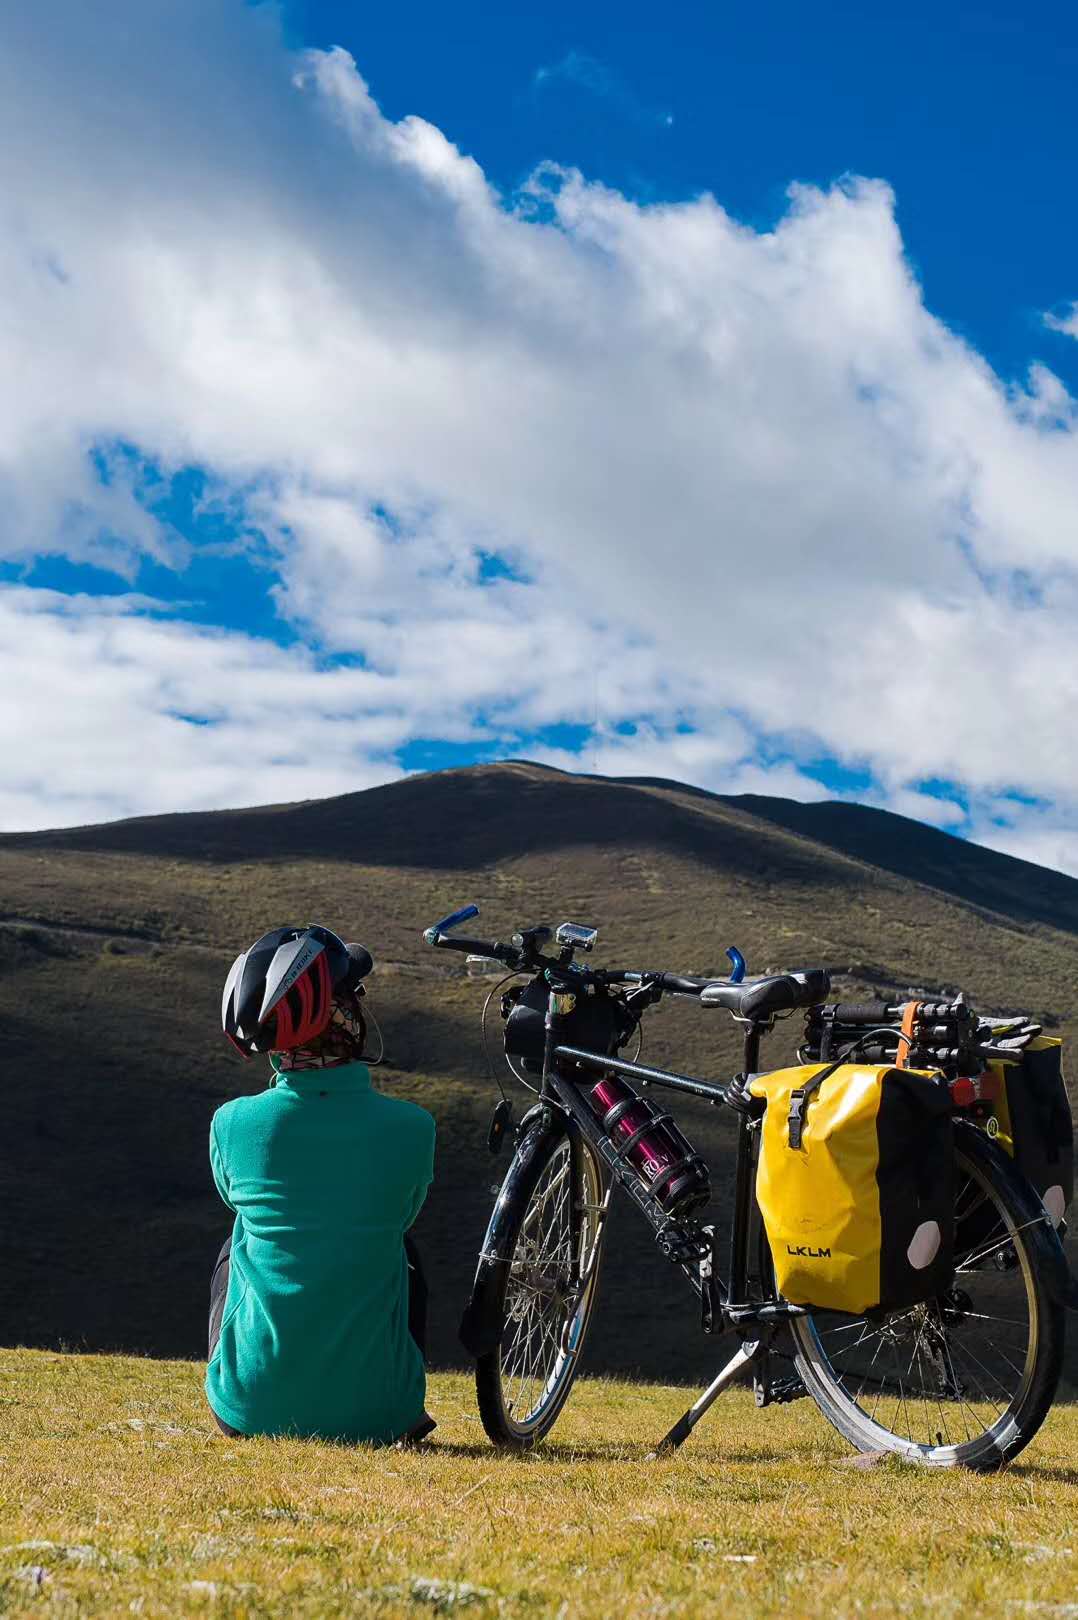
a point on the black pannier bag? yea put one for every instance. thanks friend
(597, 1023)
(855, 1183)
(1033, 1121)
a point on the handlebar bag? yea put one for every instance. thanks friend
(855, 1183)
(598, 1023)
(1033, 1121)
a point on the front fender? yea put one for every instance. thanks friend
(483, 1322)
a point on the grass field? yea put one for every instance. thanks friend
(120, 1498)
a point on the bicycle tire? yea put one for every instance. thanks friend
(984, 1167)
(505, 1424)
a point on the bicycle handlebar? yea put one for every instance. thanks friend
(455, 918)
(523, 953)
(681, 984)
(496, 948)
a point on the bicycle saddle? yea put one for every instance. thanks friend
(759, 998)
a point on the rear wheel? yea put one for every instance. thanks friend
(966, 1379)
(554, 1237)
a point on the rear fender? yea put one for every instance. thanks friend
(1043, 1237)
(483, 1322)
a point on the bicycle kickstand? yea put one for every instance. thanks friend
(688, 1421)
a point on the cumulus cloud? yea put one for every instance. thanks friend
(1068, 323)
(121, 709)
(743, 485)
(1044, 833)
(719, 759)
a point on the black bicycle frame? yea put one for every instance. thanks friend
(689, 1247)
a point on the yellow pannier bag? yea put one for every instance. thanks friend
(855, 1183)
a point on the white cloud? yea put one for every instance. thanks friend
(740, 473)
(937, 811)
(1045, 834)
(1068, 324)
(116, 711)
(719, 759)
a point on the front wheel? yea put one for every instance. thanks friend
(553, 1236)
(967, 1378)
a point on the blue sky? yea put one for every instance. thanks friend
(684, 394)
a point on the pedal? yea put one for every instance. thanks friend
(681, 1247)
(779, 1391)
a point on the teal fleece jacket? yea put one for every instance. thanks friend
(325, 1176)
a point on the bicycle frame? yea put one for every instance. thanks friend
(747, 1301)
(692, 1248)
(683, 1245)
(665, 1177)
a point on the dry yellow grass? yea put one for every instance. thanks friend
(120, 1498)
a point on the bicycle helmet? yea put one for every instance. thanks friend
(280, 994)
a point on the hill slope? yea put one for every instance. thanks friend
(114, 942)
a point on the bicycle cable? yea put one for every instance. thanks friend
(370, 1018)
(492, 1071)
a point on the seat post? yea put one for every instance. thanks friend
(739, 1231)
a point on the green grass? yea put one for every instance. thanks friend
(138, 1506)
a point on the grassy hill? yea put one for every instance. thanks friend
(114, 942)
(120, 1498)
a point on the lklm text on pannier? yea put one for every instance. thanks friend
(855, 1183)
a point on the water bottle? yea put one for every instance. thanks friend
(653, 1145)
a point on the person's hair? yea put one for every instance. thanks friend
(342, 1041)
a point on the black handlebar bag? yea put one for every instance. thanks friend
(597, 1023)
(855, 1183)
(1033, 1121)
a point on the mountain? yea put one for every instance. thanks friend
(115, 939)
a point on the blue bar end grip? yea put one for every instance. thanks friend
(454, 920)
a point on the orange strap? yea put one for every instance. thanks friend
(909, 1019)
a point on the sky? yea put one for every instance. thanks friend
(684, 393)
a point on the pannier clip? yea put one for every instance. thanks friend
(799, 1103)
(796, 1117)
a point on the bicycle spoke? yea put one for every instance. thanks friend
(961, 1362)
(1001, 1242)
(551, 1274)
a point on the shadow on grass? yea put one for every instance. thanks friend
(1042, 1471)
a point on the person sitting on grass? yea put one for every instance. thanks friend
(317, 1304)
